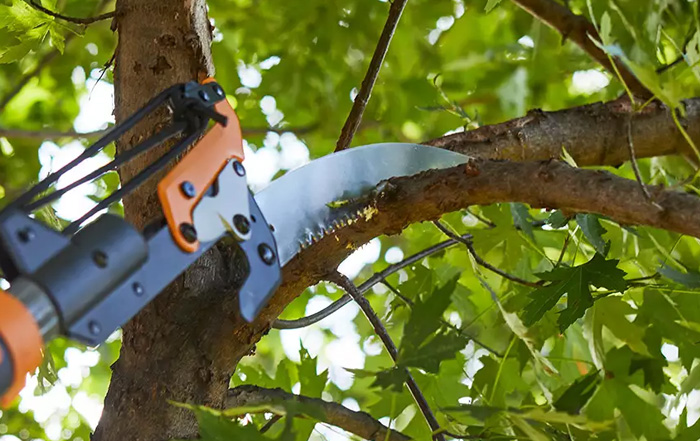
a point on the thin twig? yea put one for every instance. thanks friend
(268, 425)
(467, 241)
(362, 98)
(482, 219)
(363, 288)
(76, 20)
(563, 249)
(343, 282)
(635, 166)
(457, 329)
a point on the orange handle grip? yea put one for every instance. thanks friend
(22, 338)
(198, 170)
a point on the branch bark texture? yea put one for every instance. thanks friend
(595, 134)
(579, 30)
(359, 423)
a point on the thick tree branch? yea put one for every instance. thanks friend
(579, 30)
(362, 98)
(595, 134)
(359, 423)
(76, 20)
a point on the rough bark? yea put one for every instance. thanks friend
(595, 134)
(167, 351)
(360, 423)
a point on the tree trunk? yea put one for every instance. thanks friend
(168, 351)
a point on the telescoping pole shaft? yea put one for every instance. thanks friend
(27, 319)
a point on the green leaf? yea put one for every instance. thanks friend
(522, 218)
(422, 346)
(643, 418)
(691, 279)
(576, 283)
(491, 4)
(436, 350)
(593, 230)
(312, 383)
(577, 395)
(214, 426)
(611, 312)
(557, 219)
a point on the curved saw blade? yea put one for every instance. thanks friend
(299, 204)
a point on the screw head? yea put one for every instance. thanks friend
(241, 224)
(188, 232)
(94, 327)
(138, 289)
(26, 235)
(100, 258)
(204, 95)
(238, 168)
(218, 90)
(188, 189)
(266, 253)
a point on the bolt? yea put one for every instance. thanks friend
(238, 168)
(138, 289)
(100, 258)
(204, 95)
(218, 90)
(187, 189)
(241, 224)
(266, 253)
(94, 327)
(188, 232)
(26, 235)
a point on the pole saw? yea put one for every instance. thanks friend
(93, 276)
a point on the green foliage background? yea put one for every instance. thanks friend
(605, 348)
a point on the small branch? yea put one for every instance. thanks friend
(77, 20)
(49, 134)
(358, 423)
(579, 30)
(343, 282)
(635, 166)
(467, 241)
(362, 98)
(363, 288)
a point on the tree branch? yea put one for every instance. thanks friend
(346, 284)
(595, 134)
(363, 288)
(467, 241)
(362, 98)
(579, 30)
(359, 423)
(76, 20)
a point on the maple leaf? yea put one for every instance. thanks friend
(576, 283)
